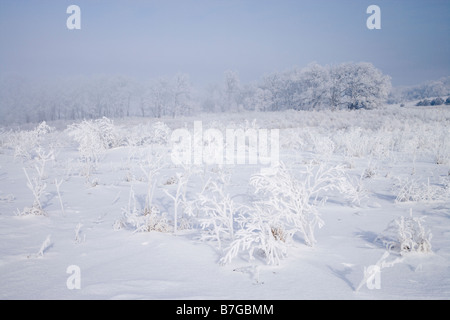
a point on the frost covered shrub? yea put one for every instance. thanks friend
(362, 142)
(288, 205)
(352, 141)
(37, 186)
(147, 218)
(181, 204)
(160, 133)
(94, 137)
(293, 138)
(218, 213)
(407, 234)
(322, 145)
(156, 133)
(297, 199)
(25, 143)
(441, 148)
(413, 191)
(260, 233)
(353, 190)
(141, 220)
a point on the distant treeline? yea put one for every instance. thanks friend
(348, 85)
(430, 89)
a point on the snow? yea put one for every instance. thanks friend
(394, 143)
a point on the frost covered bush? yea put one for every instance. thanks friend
(181, 204)
(414, 191)
(322, 145)
(288, 205)
(407, 234)
(218, 213)
(94, 137)
(25, 143)
(37, 186)
(148, 217)
(156, 133)
(353, 190)
(362, 142)
(441, 148)
(141, 220)
(260, 233)
(352, 141)
(297, 199)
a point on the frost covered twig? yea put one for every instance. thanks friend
(297, 199)
(139, 220)
(413, 191)
(58, 184)
(179, 197)
(77, 233)
(37, 187)
(288, 205)
(219, 211)
(407, 234)
(45, 245)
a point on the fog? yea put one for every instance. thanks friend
(149, 39)
(127, 51)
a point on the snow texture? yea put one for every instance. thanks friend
(358, 208)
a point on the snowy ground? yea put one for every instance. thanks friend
(382, 150)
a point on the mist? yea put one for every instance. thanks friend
(129, 50)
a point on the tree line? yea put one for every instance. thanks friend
(348, 85)
(429, 89)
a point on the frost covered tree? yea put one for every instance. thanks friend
(364, 85)
(315, 86)
(349, 85)
(160, 97)
(231, 89)
(258, 99)
(181, 92)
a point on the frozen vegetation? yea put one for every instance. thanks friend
(347, 85)
(358, 207)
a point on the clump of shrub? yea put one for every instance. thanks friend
(434, 102)
(407, 234)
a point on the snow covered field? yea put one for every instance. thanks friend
(87, 210)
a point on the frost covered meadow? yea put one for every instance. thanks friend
(356, 206)
(224, 150)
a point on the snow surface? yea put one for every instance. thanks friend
(122, 264)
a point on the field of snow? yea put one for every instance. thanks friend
(87, 210)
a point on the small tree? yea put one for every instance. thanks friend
(362, 85)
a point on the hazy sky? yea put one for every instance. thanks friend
(149, 39)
